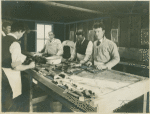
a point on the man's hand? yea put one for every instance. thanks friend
(82, 62)
(38, 54)
(32, 65)
(63, 60)
(71, 59)
(101, 67)
(89, 63)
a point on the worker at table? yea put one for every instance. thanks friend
(53, 46)
(105, 51)
(12, 60)
(83, 48)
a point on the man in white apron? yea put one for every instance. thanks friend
(12, 60)
(106, 53)
(83, 48)
(53, 46)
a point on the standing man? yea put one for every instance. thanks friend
(53, 46)
(12, 60)
(6, 28)
(83, 48)
(105, 51)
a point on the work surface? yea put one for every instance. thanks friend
(115, 88)
(112, 88)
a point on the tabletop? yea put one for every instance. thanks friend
(112, 88)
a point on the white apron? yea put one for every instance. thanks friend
(51, 48)
(99, 63)
(14, 79)
(80, 57)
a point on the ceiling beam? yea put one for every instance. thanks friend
(87, 20)
(70, 7)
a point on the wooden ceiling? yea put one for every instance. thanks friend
(71, 11)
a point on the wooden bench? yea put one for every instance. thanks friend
(133, 63)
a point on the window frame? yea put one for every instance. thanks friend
(44, 33)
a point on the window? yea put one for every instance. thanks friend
(42, 35)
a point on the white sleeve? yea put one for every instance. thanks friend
(63, 43)
(60, 48)
(73, 53)
(17, 57)
(89, 50)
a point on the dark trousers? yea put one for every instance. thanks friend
(6, 99)
(20, 103)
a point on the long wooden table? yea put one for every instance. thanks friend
(113, 88)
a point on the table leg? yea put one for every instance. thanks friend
(31, 107)
(145, 102)
(149, 102)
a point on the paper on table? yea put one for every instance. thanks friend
(98, 86)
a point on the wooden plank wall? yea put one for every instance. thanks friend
(124, 40)
(59, 31)
(135, 31)
(115, 24)
(129, 34)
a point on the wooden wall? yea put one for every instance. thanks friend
(28, 43)
(59, 31)
(129, 34)
(129, 29)
(87, 26)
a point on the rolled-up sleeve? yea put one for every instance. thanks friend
(60, 48)
(88, 52)
(17, 57)
(115, 58)
(73, 54)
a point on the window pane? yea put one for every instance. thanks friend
(40, 45)
(47, 29)
(40, 31)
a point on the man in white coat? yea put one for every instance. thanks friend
(53, 46)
